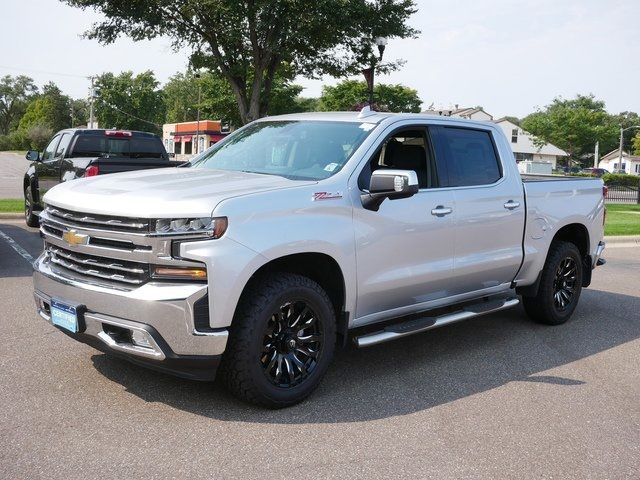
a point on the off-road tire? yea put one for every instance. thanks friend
(29, 217)
(241, 369)
(543, 307)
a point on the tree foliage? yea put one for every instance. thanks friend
(352, 94)
(51, 109)
(248, 42)
(217, 101)
(626, 120)
(129, 102)
(636, 144)
(15, 93)
(574, 125)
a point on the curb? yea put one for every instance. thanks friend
(627, 240)
(10, 216)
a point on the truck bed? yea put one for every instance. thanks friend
(528, 178)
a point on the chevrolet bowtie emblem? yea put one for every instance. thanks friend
(74, 238)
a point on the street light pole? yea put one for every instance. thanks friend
(369, 73)
(622, 130)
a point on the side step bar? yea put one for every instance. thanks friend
(422, 324)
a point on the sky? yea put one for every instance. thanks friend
(508, 56)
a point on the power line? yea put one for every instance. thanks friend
(33, 70)
(132, 116)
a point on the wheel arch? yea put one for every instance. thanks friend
(319, 267)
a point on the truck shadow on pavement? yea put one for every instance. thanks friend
(416, 373)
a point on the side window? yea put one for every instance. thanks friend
(62, 146)
(50, 149)
(404, 150)
(470, 156)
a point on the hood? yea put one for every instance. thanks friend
(161, 193)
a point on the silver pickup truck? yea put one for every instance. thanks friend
(299, 232)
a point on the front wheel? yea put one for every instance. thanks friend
(30, 218)
(560, 286)
(281, 341)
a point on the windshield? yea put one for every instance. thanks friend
(299, 150)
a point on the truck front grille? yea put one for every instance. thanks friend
(101, 222)
(76, 264)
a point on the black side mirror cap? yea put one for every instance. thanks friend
(391, 184)
(33, 156)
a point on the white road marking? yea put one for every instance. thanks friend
(13, 244)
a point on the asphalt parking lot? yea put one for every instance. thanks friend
(496, 397)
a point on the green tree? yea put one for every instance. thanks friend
(51, 109)
(636, 144)
(625, 120)
(352, 94)
(129, 102)
(248, 42)
(574, 125)
(15, 93)
(80, 108)
(217, 101)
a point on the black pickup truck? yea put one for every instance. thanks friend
(79, 153)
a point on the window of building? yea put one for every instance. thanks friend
(520, 157)
(514, 135)
(177, 148)
(188, 147)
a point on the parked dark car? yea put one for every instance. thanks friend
(79, 153)
(596, 172)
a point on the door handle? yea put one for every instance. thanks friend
(511, 205)
(441, 211)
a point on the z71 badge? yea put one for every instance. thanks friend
(326, 196)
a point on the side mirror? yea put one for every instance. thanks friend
(391, 184)
(33, 156)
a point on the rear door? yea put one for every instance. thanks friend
(490, 211)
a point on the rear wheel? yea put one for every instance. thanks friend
(560, 286)
(281, 341)
(29, 217)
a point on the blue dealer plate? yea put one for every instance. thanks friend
(64, 316)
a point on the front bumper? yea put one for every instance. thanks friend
(160, 313)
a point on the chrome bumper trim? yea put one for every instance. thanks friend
(166, 308)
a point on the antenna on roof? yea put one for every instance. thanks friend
(366, 112)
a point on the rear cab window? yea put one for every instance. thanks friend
(109, 146)
(468, 155)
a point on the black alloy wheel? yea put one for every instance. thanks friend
(292, 342)
(564, 283)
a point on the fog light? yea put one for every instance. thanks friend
(140, 338)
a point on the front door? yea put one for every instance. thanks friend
(404, 251)
(48, 168)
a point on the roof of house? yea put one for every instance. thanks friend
(529, 146)
(613, 155)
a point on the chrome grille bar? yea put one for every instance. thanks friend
(108, 223)
(130, 273)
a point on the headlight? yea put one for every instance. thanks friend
(212, 227)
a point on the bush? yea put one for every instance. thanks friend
(626, 180)
(16, 140)
(39, 136)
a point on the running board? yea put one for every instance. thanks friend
(392, 332)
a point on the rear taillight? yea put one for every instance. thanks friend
(92, 171)
(605, 191)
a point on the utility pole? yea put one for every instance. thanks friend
(596, 156)
(92, 96)
(71, 111)
(198, 114)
